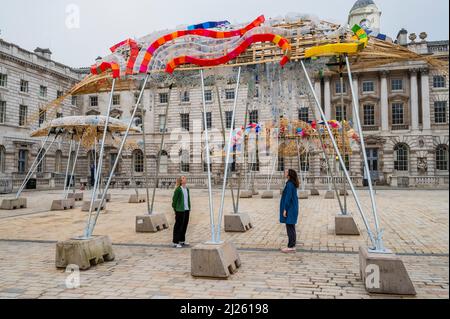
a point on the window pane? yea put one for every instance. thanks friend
(2, 112)
(3, 80)
(369, 114)
(229, 94)
(439, 81)
(440, 112)
(397, 114)
(185, 121)
(208, 95)
(163, 98)
(303, 114)
(397, 85)
(442, 158)
(368, 86)
(401, 158)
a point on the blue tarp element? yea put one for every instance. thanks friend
(208, 25)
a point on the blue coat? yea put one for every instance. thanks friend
(289, 202)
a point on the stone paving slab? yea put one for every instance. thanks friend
(414, 221)
(27, 271)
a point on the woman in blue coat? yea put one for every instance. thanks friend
(289, 209)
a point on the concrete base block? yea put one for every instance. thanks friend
(389, 268)
(87, 204)
(246, 194)
(303, 194)
(345, 225)
(237, 223)
(342, 193)
(136, 199)
(107, 197)
(315, 192)
(78, 197)
(84, 252)
(151, 223)
(267, 195)
(255, 193)
(214, 260)
(63, 204)
(329, 195)
(14, 203)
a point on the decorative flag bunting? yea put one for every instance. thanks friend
(208, 25)
(276, 39)
(197, 32)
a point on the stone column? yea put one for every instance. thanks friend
(384, 102)
(426, 112)
(414, 101)
(318, 89)
(327, 96)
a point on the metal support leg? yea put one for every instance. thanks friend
(227, 160)
(68, 164)
(73, 168)
(379, 239)
(158, 157)
(208, 162)
(336, 149)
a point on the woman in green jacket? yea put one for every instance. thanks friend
(181, 204)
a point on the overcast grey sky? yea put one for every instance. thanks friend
(103, 23)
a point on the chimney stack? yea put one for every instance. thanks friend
(402, 37)
(45, 53)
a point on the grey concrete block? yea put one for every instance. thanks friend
(345, 225)
(393, 276)
(214, 260)
(239, 223)
(14, 203)
(151, 223)
(84, 252)
(87, 204)
(303, 194)
(342, 193)
(267, 194)
(246, 194)
(63, 204)
(78, 197)
(107, 198)
(136, 199)
(330, 195)
(315, 192)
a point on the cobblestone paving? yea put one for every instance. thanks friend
(416, 225)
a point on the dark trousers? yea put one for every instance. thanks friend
(292, 235)
(180, 228)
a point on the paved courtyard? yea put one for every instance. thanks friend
(415, 223)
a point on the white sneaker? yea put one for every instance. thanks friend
(177, 246)
(185, 244)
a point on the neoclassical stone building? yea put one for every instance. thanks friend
(403, 109)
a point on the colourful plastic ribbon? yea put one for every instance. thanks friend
(105, 66)
(134, 52)
(197, 32)
(267, 37)
(208, 25)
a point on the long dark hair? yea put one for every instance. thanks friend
(293, 177)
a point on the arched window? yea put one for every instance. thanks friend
(2, 158)
(442, 158)
(184, 161)
(401, 157)
(58, 157)
(163, 163)
(138, 161)
(304, 162)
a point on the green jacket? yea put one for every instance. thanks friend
(178, 200)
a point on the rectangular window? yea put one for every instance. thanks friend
(22, 162)
(185, 98)
(23, 114)
(43, 91)
(228, 119)
(341, 113)
(368, 86)
(3, 80)
(256, 92)
(163, 98)
(208, 96)
(74, 100)
(438, 82)
(229, 94)
(116, 99)
(93, 101)
(162, 123)
(2, 112)
(59, 115)
(303, 114)
(253, 116)
(397, 85)
(42, 116)
(24, 86)
(338, 88)
(440, 112)
(59, 94)
(208, 120)
(369, 115)
(185, 121)
(397, 114)
(281, 166)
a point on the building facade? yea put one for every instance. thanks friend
(403, 109)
